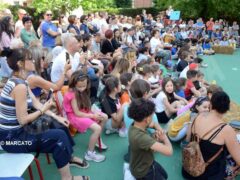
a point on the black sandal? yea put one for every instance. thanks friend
(83, 165)
(83, 177)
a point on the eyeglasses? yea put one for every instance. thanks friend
(48, 14)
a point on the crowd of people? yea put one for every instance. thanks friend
(117, 74)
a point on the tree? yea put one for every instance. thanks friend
(61, 6)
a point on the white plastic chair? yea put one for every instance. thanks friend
(14, 165)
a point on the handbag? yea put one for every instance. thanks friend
(40, 125)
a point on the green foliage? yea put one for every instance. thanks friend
(127, 11)
(95, 4)
(3, 6)
(124, 3)
(61, 6)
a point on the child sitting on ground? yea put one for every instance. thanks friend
(155, 78)
(178, 128)
(167, 102)
(77, 106)
(111, 106)
(207, 47)
(190, 89)
(126, 80)
(180, 86)
(142, 145)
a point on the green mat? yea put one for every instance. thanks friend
(225, 69)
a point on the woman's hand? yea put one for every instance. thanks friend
(47, 106)
(62, 120)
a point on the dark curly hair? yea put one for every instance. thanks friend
(140, 109)
(220, 102)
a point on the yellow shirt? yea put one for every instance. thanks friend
(178, 123)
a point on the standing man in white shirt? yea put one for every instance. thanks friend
(19, 24)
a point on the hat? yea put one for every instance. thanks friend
(193, 66)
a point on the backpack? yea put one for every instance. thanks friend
(193, 162)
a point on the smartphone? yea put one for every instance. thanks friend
(50, 93)
(67, 57)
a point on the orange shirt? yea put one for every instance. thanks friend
(125, 98)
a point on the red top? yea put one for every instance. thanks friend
(210, 25)
(189, 86)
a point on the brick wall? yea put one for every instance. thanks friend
(142, 3)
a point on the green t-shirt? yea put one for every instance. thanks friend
(141, 157)
(27, 37)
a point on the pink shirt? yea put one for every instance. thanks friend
(5, 40)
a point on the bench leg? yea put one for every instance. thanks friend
(30, 172)
(39, 168)
(48, 158)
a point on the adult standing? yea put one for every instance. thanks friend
(19, 24)
(210, 25)
(49, 31)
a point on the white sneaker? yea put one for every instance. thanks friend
(111, 131)
(103, 146)
(123, 132)
(204, 65)
(93, 156)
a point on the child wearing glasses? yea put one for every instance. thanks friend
(77, 106)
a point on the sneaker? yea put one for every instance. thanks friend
(93, 156)
(204, 65)
(123, 132)
(103, 146)
(111, 131)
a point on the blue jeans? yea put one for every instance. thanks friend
(57, 141)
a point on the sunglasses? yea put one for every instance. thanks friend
(48, 14)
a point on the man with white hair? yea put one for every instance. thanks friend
(70, 45)
(19, 24)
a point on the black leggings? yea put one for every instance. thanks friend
(156, 172)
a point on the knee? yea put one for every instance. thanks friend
(97, 128)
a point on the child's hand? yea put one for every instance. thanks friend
(160, 135)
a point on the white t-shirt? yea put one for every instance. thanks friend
(160, 107)
(19, 25)
(59, 63)
(154, 42)
(183, 74)
(154, 79)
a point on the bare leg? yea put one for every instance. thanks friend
(96, 131)
(66, 174)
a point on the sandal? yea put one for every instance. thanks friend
(83, 165)
(83, 177)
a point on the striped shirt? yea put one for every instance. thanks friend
(8, 117)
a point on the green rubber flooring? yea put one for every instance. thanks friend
(224, 69)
